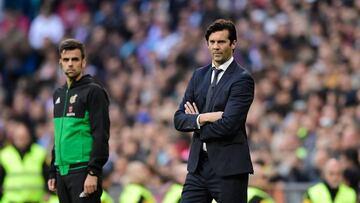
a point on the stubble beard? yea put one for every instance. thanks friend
(72, 76)
(219, 60)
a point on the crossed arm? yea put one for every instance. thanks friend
(209, 117)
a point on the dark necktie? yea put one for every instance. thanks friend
(211, 89)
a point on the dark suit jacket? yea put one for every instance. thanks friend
(226, 139)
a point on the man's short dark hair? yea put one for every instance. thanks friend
(71, 44)
(219, 25)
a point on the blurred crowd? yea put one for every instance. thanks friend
(303, 54)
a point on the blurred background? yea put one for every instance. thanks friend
(303, 54)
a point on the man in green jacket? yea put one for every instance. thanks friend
(81, 121)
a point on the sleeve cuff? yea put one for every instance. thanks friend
(52, 172)
(94, 172)
(198, 121)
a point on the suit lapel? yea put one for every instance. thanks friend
(204, 87)
(223, 80)
(226, 77)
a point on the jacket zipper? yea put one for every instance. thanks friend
(62, 123)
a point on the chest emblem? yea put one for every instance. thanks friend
(70, 112)
(57, 100)
(73, 99)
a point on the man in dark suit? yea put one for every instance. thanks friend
(215, 107)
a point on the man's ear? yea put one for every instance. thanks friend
(84, 63)
(233, 44)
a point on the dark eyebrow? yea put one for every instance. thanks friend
(217, 40)
(72, 58)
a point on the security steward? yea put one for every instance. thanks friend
(23, 168)
(331, 189)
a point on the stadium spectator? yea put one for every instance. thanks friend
(23, 167)
(331, 189)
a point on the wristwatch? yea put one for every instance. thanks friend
(92, 173)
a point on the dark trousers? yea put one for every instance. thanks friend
(71, 185)
(204, 185)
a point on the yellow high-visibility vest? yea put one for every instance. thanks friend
(133, 193)
(253, 192)
(319, 193)
(173, 195)
(106, 198)
(23, 180)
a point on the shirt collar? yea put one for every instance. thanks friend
(225, 65)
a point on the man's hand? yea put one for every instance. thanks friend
(90, 184)
(52, 184)
(210, 117)
(191, 108)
